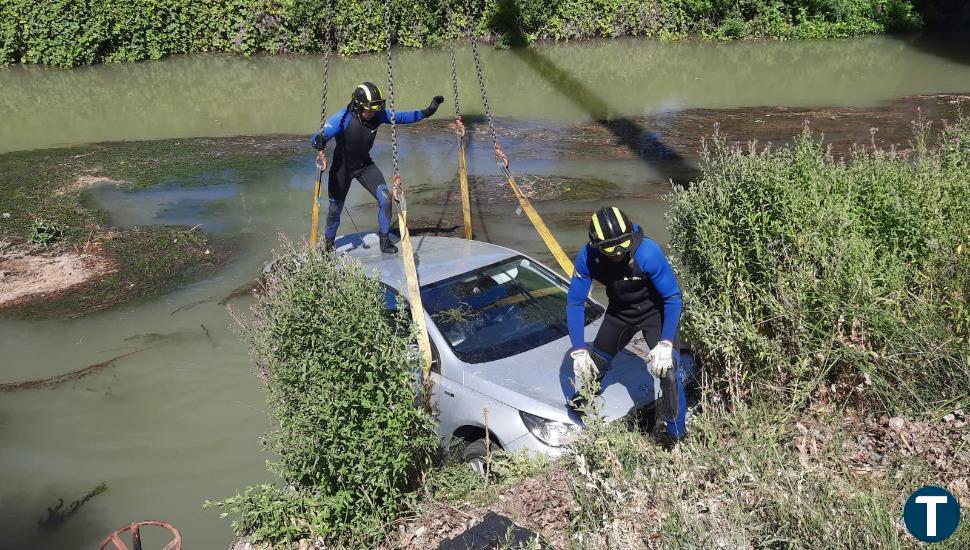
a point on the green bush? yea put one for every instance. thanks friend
(341, 378)
(803, 271)
(74, 32)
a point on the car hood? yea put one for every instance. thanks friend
(539, 381)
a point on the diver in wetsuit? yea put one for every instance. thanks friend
(643, 295)
(355, 128)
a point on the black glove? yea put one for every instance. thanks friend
(431, 109)
(319, 142)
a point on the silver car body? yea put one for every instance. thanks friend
(536, 382)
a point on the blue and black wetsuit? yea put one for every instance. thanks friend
(643, 295)
(351, 160)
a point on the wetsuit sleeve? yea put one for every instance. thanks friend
(401, 117)
(579, 288)
(653, 262)
(335, 124)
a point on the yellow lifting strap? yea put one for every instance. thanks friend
(551, 243)
(321, 157)
(315, 217)
(407, 251)
(414, 293)
(466, 209)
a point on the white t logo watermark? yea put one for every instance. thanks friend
(931, 502)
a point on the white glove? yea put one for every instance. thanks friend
(661, 358)
(584, 369)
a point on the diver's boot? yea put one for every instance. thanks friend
(328, 245)
(387, 247)
(666, 440)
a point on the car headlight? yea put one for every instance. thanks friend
(550, 432)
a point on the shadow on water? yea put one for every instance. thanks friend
(952, 45)
(944, 14)
(646, 144)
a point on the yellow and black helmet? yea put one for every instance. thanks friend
(610, 231)
(368, 97)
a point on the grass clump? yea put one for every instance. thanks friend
(340, 375)
(804, 272)
(454, 482)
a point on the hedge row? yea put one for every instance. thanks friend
(68, 33)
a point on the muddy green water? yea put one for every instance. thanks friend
(220, 95)
(179, 422)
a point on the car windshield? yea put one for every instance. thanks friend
(500, 310)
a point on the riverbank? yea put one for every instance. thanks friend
(104, 32)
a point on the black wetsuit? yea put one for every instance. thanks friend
(351, 160)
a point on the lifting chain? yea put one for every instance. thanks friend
(460, 132)
(321, 159)
(396, 188)
(328, 35)
(454, 71)
(407, 250)
(499, 155)
(503, 161)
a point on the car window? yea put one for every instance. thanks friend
(500, 310)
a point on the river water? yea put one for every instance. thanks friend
(179, 421)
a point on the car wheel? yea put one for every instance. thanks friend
(474, 455)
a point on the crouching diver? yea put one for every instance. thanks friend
(643, 295)
(355, 128)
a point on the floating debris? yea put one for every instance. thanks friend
(57, 515)
(66, 377)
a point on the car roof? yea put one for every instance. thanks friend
(436, 258)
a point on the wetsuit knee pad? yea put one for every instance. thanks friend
(383, 195)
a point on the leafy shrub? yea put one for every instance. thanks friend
(72, 32)
(44, 232)
(803, 271)
(341, 379)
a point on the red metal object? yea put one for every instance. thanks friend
(459, 126)
(397, 190)
(500, 156)
(135, 528)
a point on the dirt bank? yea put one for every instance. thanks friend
(27, 274)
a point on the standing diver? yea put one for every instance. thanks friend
(355, 128)
(643, 295)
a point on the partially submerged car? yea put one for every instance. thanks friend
(496, 320)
